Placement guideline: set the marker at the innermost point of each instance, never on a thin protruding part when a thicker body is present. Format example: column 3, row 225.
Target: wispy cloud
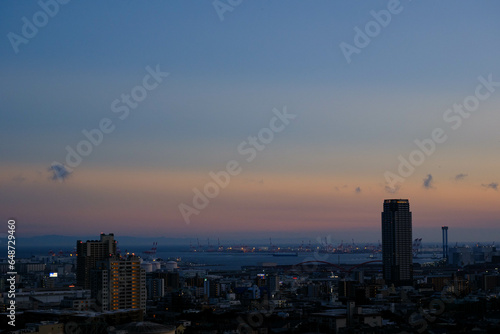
column 428, row 181
column 460, row 177
column 492, row 185
column 357, row 190
column 59, row 172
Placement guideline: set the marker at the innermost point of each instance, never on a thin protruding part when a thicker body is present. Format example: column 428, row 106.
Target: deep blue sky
column 225, row 78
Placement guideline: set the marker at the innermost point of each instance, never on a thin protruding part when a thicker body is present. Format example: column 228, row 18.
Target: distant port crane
column 152, row 251
column 417, row 245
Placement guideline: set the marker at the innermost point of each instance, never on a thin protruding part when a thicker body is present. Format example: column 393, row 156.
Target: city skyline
column 118, row 123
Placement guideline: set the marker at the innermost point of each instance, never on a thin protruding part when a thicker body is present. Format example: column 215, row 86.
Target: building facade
column 155, row 288
column 89, row 253
column 119, row 283
column 397, row 242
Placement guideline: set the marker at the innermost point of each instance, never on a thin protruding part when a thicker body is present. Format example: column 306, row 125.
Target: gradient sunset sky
column 323, row 174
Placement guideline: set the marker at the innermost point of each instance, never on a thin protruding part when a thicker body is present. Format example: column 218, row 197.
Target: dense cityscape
column 249, row 166
column 100, row 289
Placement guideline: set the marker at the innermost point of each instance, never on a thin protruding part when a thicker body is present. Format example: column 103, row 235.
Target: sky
column 242, row 118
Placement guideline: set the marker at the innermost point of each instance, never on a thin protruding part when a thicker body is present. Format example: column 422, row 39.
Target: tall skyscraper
column 397, row 242
column 445, row 242
column 89, row 253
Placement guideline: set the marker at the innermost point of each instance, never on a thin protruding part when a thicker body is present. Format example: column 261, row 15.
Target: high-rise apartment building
column 397, row 242
column 155, row 288
column 119, row 283
column 211, row 288
column 89, row 253
column 273, row 283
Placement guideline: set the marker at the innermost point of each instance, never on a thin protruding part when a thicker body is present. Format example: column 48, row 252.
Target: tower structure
column 397, row 242
column 89, row 253
column 445, row 242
